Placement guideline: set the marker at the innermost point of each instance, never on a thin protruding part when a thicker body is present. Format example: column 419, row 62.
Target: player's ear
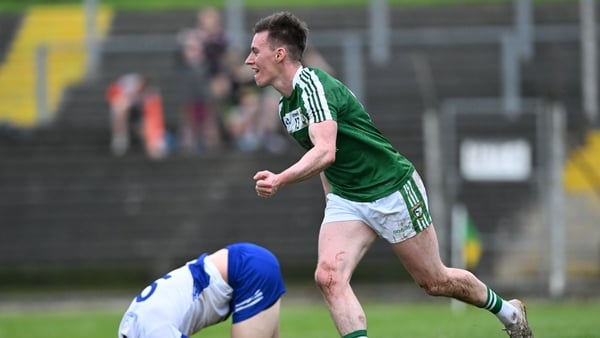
column 280, row 54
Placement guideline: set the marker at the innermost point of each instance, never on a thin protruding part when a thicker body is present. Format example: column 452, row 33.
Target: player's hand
column 267, row 183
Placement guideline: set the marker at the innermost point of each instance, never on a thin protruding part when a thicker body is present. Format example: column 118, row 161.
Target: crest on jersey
column 417, row 210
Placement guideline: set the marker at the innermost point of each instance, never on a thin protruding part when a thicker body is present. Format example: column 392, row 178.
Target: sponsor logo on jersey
column 295, row 121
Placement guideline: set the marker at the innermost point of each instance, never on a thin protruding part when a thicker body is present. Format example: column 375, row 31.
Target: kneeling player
column 242, row 280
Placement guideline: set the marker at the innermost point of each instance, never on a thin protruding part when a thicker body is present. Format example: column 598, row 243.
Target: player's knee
column 326, row 277
column 323, row 277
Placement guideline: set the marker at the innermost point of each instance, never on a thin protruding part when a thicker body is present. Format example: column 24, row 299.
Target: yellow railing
column 62, row 29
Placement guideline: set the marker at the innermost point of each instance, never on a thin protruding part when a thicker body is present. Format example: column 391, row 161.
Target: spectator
column 241, row 122
column 269, row 125
column 205, row 60
column 211, row 33
column 136, row 109
column 216, row 48
column 242, row 280
column 250, row 124
column 222, row 101
column 200, row 128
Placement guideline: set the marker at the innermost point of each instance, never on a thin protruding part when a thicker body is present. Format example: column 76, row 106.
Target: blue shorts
column 255, row 276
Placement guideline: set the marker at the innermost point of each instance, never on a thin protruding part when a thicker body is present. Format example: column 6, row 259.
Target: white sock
column 508, row 314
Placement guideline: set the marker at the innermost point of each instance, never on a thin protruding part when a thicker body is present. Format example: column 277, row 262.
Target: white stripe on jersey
column 313, row 97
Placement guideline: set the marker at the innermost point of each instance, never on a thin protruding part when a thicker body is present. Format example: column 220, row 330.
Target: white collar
column 297, row 76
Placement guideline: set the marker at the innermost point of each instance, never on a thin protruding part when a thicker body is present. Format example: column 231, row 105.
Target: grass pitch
column 435, row 319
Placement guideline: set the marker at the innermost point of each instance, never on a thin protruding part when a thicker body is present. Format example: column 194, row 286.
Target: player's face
column 262, row 60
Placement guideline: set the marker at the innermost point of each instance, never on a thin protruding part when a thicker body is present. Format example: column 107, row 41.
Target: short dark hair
column 285, row 29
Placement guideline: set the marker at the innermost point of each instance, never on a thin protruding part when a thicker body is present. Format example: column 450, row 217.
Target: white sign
column 495, row 160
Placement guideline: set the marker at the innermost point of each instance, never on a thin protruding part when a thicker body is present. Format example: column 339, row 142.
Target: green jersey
column 366, row 167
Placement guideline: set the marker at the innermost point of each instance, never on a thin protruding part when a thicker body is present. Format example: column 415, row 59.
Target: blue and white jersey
column 177, row 305
column 195, row 295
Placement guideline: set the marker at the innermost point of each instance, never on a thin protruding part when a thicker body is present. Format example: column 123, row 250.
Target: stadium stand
column 67, row 203
column 43, row 26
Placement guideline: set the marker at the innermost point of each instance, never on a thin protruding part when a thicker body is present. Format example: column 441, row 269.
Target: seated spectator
column 253, row 123
column 136, row 109
column 241, row 122
column 270, row 127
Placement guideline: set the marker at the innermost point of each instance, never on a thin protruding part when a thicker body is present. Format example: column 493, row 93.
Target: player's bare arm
column 323, row 136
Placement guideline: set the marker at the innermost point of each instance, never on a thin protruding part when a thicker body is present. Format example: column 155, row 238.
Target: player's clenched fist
column 266, row 183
